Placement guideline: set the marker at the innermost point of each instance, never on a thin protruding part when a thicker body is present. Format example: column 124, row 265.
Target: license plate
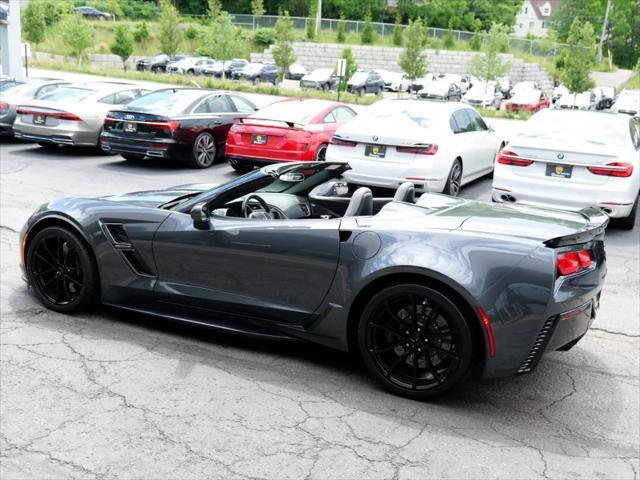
column 258, row 139
column 130, row 127
column 375, row 151
column 39, row 119
column 557, row 170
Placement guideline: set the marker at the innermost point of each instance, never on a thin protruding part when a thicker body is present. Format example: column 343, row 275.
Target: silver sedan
column 73, row 114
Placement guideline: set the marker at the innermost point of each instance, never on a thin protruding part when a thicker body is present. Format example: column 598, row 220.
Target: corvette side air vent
column 117, row 233
column 538, row 347
column 122, row 243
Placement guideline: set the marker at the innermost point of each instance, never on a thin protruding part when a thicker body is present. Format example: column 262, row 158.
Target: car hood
column 155, row 198
column 436, row 88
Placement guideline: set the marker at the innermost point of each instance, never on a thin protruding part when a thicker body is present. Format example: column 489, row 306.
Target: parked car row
column 438, row 146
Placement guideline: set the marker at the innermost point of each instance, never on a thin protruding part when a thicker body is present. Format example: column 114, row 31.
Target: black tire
column 203, row 151
column 132, row 157
column 454, row 179
column 379, row 92
column 628, row 222
column 241, row 168
column 191, row 71
column 325, row 87
column 415, row 341
column 321, row 153
column 61, row 269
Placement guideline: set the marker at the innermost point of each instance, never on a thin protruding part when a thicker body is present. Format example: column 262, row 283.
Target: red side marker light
column 487, row 327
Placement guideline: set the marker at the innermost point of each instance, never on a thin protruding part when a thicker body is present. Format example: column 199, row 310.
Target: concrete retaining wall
column 325, row 55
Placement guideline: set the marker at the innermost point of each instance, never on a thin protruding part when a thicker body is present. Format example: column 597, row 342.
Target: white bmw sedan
column 573, row 159
column 438, row 146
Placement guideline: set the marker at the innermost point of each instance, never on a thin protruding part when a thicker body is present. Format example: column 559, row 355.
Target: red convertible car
column 528, row 100
column 289, row 130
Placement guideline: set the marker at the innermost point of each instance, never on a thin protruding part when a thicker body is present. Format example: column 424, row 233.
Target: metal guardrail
column 538, row 47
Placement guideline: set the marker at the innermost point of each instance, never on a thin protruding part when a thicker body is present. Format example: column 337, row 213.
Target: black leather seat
column 405, row 193
column 361, row 203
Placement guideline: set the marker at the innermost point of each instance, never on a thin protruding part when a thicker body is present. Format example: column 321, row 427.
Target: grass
column 633, row 82
column 212, row 83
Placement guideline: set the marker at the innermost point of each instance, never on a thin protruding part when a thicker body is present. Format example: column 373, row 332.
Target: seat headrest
column 361, row 203
column 405, row 193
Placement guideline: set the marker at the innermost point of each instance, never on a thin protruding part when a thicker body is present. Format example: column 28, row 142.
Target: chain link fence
column 540, row 47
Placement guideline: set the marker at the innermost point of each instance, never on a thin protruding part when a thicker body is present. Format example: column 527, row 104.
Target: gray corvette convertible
column 427, row 291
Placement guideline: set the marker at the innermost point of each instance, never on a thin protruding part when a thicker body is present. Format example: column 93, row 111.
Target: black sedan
column 93, row 13
column 189, row 124
column 257, row 72
column 426, row 291
column 155, row 63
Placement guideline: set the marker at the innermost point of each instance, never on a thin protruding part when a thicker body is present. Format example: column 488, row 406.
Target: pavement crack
column 613, row 332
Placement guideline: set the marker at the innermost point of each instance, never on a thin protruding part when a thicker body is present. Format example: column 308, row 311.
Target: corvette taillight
column 343, row 143
column 431, row 149
column 4, row 106
column 506, row 157
column 573, row 262
column 614, row 169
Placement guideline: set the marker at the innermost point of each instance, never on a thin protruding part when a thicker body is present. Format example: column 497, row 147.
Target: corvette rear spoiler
column 597, row 221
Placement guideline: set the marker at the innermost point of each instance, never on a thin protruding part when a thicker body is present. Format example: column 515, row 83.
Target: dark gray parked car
column 426, row 291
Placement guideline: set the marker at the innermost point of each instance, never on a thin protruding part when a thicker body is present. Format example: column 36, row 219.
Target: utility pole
column 604, row 30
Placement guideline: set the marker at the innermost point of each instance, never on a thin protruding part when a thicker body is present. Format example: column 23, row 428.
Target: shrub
column 78, row 35
column 340, row 35
column 141, row 33
column 122, row 44
column 139, row 10
column 368, row 34
column 449, row 39
column 265, row 36
column 398, row 32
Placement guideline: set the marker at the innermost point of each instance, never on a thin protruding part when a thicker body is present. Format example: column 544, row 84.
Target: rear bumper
column 129, row 146
column 241, row 161
column 79, row 135
column 616, row 196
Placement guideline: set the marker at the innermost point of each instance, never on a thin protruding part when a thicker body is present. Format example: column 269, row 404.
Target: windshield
column 320, row 74
column 253, row 68
column 407, row 114
column 295, row 111
column 580, row 127
column 67, row 94
column 168, row 102
column 359, row 77
column 7, row 84
column 481, row 90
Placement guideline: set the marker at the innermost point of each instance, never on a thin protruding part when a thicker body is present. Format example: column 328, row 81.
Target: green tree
column 368, row 35
column 34, row 23
column 222, row 40
column 398, row 32
column 576, row 68
column 424, row 39
column 350, row 68
column 141, row 34
column 257, row 8
column 311, row 20
column 169, row 28
column 122, row 44
column 412, row 59
column 191, row 34
column 450, row 39
column 488, row 65
column 476, row 41
column 340, row 34
column 214, row 9
column 78, row 35
column 283, row 54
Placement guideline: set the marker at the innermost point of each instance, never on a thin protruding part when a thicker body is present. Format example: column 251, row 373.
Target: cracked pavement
column 117, row 395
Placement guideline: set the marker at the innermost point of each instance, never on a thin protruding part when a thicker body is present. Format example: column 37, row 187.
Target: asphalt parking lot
column 115, row 395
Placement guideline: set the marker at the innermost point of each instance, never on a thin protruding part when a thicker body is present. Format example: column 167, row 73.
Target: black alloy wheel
column 415, row 341
column 454, row 180
column 204, row 151
column 61, row 270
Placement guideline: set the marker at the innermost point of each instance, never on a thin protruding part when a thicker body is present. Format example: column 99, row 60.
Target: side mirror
column 200, row 216
column 492, row 128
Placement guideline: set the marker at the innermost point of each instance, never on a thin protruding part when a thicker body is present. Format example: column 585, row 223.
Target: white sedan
column 570, row 160
column 438, row 146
